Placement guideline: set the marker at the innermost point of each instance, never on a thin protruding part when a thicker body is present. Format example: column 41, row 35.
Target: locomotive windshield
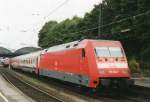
column 109, row 52
column 102, row 52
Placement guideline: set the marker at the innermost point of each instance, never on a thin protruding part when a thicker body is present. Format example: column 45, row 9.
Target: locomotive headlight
column 125, row 71
column 113, row 71
column 102, row 71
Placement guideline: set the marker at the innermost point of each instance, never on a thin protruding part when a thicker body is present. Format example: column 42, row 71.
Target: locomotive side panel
column 65, row 65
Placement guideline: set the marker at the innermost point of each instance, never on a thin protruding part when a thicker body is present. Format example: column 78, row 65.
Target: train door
column 83, row 62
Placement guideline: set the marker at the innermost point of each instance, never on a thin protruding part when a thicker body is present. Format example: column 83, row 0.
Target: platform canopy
column 4, row 52
column 26, row 50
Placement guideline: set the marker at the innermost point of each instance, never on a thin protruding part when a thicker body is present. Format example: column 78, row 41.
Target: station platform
column 9, row 93
column 2, row 98
column 142, row 81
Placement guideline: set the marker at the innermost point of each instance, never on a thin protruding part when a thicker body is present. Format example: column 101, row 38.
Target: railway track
column 134, row 95
column 36, row 94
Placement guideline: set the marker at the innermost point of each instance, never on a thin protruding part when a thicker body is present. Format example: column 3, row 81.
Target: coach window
column 33, row 60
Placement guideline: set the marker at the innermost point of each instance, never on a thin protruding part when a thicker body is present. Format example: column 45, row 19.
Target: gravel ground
column 74, row 95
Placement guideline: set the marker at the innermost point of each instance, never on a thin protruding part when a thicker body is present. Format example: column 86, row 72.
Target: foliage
column 134, row 65
column 146, row 73
column 133, row 31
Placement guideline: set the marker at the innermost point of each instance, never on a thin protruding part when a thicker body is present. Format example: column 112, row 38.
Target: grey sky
column 20, row 20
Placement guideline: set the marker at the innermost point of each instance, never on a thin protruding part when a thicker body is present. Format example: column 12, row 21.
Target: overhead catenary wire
column 115, row 22
column 55, row 9
column 50, row 13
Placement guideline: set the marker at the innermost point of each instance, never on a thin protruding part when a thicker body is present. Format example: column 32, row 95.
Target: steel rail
column 51, row 96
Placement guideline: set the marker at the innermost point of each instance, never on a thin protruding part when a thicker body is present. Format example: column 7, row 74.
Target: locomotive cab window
column 116, row 52
column 102, row 52
column 109, row 52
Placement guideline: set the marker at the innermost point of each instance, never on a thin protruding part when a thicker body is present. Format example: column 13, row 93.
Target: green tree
column 118, row 23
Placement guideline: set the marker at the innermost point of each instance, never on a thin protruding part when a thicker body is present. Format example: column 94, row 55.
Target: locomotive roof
column 69, row 45
column 61, row 47
column 30, row 54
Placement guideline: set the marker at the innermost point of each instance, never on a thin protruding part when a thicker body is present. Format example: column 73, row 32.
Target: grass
column 146, row 73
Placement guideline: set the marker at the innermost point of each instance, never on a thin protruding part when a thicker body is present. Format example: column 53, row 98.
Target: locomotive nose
column 113, row 67
column 111, row 62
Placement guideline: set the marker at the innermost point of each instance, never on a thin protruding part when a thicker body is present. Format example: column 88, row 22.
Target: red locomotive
column 89, row 63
